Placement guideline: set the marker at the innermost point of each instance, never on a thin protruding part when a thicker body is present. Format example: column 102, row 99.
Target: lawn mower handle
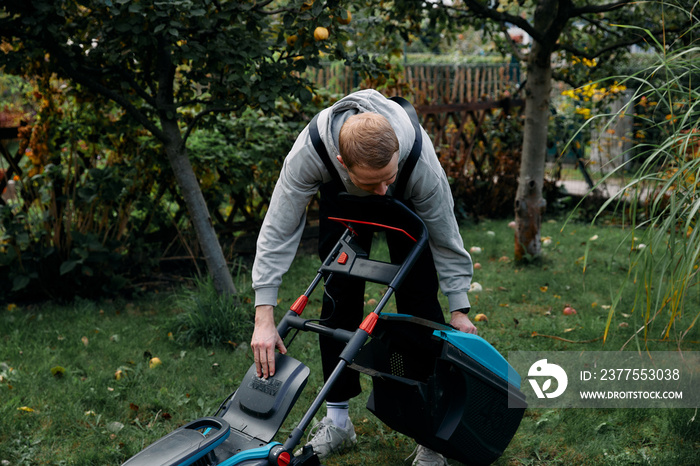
column 347, row 258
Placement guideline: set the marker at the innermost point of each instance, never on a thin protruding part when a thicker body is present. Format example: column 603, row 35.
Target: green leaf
column 67, row 266
column 20, row 282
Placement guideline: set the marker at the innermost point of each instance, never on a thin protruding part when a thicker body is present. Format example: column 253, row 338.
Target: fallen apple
column 154, row 362
column 569, row 311
column 481, row 318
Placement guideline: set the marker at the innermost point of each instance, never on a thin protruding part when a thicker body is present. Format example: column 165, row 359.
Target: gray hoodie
column 303, row 172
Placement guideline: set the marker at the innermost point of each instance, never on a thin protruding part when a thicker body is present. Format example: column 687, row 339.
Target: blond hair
column 367, row 140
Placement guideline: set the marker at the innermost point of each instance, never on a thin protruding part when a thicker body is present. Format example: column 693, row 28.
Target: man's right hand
column 265, row 340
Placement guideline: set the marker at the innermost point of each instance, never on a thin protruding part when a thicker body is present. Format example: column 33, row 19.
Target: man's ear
column 340, row 159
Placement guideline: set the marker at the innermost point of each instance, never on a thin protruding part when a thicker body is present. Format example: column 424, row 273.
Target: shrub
column 72, row 229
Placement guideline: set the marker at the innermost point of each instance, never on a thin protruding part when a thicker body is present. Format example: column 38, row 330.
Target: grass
column 60, row 403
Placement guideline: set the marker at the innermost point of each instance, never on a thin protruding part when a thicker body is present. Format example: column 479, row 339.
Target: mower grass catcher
column 446, row 389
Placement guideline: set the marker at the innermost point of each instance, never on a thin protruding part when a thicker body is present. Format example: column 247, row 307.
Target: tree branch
column 139, row 90
column 511, row 43
column 85, row 79
column 586, row 9
column 476, row 8
column 631, row 40
column 207, row 111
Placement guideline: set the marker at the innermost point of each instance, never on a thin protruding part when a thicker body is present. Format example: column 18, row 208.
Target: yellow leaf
column 26, row 409
column 543, row 289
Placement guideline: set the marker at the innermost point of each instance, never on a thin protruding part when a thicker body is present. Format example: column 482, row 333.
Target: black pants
column 344, row 308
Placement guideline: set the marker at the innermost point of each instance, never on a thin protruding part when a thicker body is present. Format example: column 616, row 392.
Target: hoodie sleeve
column 429, row 191
column 301, row 175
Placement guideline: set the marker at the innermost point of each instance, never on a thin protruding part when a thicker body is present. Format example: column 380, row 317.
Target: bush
column 73, row 228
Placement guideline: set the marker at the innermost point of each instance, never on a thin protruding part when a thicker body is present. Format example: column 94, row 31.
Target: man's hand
column 265, row 340
column 461, row 322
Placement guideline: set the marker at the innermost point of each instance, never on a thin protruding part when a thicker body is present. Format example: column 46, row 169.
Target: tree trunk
column 197, row 209
column 529, row 203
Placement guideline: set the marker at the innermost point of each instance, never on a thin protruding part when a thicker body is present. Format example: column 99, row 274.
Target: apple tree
column 173, row 65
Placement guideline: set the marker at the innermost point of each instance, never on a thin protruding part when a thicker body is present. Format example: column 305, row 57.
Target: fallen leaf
column 85, row 341
column 544, row 289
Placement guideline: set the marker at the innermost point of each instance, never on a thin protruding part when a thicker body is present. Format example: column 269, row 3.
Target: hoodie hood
column 332, row 119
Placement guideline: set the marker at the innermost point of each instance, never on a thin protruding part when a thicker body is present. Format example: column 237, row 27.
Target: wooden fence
column 454, row 103
column 434, row 84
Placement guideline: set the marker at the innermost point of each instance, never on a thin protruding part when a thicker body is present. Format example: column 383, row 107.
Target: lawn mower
column 450, row 391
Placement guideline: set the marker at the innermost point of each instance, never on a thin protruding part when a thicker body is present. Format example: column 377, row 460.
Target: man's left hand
column 461, row 322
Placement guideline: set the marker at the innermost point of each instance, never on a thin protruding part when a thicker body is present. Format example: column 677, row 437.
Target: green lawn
column 62, row 404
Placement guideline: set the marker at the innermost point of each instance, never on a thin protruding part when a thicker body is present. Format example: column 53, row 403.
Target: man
column 366, row 141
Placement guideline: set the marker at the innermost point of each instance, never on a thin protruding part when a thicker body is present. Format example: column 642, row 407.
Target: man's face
column 374, row 180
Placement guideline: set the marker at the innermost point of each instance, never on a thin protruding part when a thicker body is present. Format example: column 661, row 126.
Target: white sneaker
column 427, row 457
column 329, row 438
